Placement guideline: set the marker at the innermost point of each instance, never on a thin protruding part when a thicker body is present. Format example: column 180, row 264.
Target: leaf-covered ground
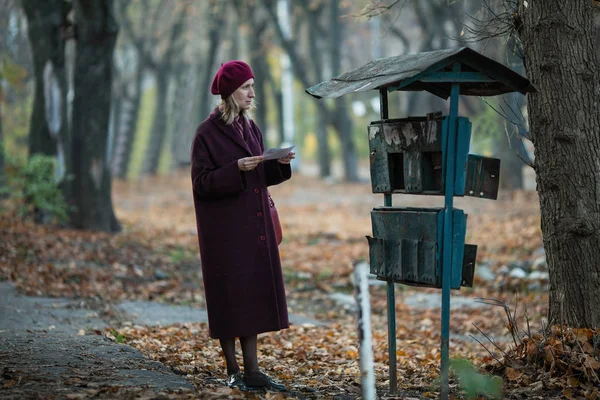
column 156, row 258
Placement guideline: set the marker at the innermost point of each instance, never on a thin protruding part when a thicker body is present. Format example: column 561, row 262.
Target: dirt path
column 50, row 349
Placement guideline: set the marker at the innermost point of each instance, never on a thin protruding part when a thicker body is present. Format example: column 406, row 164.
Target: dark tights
column 249, row 351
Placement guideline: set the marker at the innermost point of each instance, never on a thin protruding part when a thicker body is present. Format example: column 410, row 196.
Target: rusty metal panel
column 413, row 172
column 410, row 260
column 406, row 246
column 482, row 177
column 468, row 265
column 429, row 271
column 405, row 156
column 376, row 256
column 378, row 157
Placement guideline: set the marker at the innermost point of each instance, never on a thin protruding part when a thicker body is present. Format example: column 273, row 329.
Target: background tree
column 96, row 37
column 3, row 181
column 127, row 98
column 216, row 18
column 556, row 41
column 48, row 28
column 159, row 50
column 299, row 63
column 560, row 59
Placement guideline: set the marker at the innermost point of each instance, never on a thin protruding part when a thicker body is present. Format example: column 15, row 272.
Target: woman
column 241, row 269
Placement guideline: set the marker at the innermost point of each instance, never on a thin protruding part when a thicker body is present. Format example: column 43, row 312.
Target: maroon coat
column 240, row 258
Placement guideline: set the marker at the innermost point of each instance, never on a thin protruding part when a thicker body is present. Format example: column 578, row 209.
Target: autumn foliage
column 324, row 225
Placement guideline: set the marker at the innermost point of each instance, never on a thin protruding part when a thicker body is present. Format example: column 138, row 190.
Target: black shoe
column 261, row 380
column 236, row 380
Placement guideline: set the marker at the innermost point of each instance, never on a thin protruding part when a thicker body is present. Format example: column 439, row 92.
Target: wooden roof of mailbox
column 430, row 71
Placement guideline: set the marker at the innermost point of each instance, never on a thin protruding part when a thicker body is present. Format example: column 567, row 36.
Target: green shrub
column 33, row 185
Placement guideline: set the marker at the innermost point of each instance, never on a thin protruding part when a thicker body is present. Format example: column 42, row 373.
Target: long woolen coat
column 241, row 268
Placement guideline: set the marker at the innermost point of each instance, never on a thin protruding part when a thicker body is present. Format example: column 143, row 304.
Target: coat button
column 263, row 237
column 259, row 214
column 256, row 190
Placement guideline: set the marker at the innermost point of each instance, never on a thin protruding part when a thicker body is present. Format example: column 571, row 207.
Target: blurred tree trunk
column 564, row 120
column 323, row 151
column 127, row 128
column 260, row 69
column 96, row 37
column 301, row 73
column 278, row 100
column 216, row 20
column 116, row 111
column 248, row 11
column 159, row 124
column 183, row 121
column 343, row 121
column 163, row 70
column 46, row 23
column 3, row 181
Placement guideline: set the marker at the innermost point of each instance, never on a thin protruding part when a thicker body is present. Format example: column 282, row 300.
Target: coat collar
column 229, row 130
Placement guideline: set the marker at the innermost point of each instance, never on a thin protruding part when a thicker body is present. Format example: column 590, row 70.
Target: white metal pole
column 367, row 375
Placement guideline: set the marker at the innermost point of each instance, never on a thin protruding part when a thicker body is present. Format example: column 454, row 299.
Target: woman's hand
column 249, row 163
column 287, row 159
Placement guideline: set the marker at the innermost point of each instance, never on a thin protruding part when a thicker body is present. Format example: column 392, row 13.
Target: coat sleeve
column 275, row 172
column 209, row 180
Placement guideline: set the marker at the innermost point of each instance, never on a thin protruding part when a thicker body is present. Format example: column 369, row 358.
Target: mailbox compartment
column 409, row 156
column 406, row 247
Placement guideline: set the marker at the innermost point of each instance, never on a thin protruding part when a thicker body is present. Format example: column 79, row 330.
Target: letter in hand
column 287, row 159
column 249, row 163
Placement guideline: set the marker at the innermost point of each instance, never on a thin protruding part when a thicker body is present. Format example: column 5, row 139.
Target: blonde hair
column 230, row 109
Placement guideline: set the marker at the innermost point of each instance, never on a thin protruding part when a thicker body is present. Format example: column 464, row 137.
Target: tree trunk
column 344, row 124
column 45, row 20
column 207, row 70
column 128, row 128
column 97, row 35
column 159, row 125
column 3, row 181
column 260, row 69
column 116, row 111
column 132, row 117
column 278, row 100
column 323, row 143
column 324, row 154
column 559, row 50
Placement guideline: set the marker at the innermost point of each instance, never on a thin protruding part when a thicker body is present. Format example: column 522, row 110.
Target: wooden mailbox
column 406, row 245
column 407, row 156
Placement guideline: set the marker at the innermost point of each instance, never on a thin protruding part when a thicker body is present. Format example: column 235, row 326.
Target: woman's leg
column 249, row 351
column 228, row 346
column 252, row 376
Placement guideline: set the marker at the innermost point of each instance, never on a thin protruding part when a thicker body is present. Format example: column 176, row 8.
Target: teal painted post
column 391, row 295
column 391, row 314
column 448, row 228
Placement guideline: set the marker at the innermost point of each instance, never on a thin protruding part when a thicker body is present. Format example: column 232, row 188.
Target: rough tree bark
column 558, row 41
column 97, row 35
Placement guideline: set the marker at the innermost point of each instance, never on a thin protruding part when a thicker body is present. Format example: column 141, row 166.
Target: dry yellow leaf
column 513, row 374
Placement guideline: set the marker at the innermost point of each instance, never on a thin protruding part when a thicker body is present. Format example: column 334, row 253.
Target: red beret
column 230, row 76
